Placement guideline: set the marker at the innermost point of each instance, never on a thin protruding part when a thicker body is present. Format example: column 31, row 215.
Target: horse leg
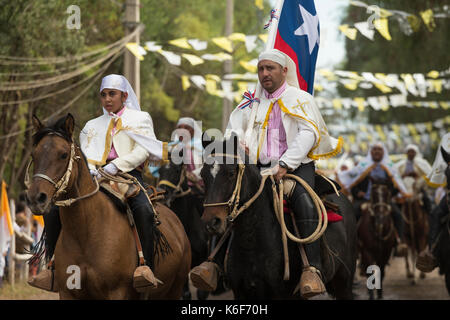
column 409, row 275
column 186, row 292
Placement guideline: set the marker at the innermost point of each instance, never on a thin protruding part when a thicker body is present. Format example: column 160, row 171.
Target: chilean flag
column 297, row 35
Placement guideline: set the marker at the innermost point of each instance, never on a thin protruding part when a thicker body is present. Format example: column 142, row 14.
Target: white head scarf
column 119, row 82
column 415, row 148
column 277, row 56
column 193, row 124
column 437, row 176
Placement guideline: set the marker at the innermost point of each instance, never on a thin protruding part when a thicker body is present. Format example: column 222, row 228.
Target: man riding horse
column 122, row 139
column 376, row 168
column 438, row 177
column 289, row 132
column 416, row 167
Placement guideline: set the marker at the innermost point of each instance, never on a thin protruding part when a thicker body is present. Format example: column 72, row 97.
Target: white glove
column 93, row 172
column 111, row 169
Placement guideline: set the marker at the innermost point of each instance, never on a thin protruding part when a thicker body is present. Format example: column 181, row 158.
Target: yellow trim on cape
column 432, row 184
column 262, row 135
column 165, row 153
column 330, row 154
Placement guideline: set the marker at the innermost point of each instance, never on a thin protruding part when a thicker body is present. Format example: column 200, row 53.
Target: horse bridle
column 177, row 189
column 61, row 185
column 233, row 203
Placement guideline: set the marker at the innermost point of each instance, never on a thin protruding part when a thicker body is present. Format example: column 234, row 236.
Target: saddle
column 119, row 192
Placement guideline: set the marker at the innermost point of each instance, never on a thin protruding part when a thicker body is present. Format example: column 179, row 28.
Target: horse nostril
column 41, row 198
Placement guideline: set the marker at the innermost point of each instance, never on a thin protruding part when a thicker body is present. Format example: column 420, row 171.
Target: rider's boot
column 143, row 277
column 311, row 283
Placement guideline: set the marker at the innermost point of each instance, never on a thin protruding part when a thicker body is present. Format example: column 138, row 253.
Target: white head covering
column 415, row 148
column 119, row 82
column 193, row 124
column 277, row 56
column 274, row 55
column 437, row 176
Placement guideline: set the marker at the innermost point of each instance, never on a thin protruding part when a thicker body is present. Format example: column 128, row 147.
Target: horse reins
column 178, row 189
column 63, row 182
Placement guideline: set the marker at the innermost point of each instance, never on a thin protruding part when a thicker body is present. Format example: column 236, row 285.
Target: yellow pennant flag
column 383, row 88
column 247, row 66
column 134, row 49
column 185, row 83
column 193, row 59
column 383, row 27
column 181, row 43
column 380, row 132
column 348, row 31
column 337, row 104
column 444, row 105
column 433, row 74
column 5, row 213
column 428, row 18
column 224, row 43
column 259, row 4
column 360, row 103
column 237, row 36
column 264, row 37
column 437, row 85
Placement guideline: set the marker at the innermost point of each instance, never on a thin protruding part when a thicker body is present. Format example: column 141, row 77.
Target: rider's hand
column 111, row 169
column 280, row 173
column 93, row 172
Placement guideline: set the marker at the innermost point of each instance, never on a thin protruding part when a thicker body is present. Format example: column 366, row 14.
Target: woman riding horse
column 122, row 139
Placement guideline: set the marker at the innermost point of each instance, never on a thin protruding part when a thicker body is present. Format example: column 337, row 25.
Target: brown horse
column 96, row 239
column 416, row 227
column 376, row 233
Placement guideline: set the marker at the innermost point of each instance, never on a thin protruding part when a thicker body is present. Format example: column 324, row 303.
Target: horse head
column 225, row 159
column 380, row 199
column 53, row 156
column 171, row 178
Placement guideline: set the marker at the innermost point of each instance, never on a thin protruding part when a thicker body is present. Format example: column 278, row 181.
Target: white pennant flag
column 250, row 43
column 198, row 44
column 365, row 30
column 171, row 57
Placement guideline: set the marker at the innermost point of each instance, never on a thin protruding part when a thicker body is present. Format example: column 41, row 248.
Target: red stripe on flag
column 281, row 45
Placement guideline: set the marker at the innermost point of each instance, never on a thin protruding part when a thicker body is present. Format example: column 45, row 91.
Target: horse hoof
column 409, row 275
column 422, row 275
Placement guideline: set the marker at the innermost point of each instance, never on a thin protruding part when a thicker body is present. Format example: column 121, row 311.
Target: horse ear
column 36, row 123
column 69, row 124
column 445, row 155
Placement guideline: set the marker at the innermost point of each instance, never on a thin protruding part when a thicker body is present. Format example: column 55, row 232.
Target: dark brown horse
column 96, row 238
column 376, row 233
column 416, row 227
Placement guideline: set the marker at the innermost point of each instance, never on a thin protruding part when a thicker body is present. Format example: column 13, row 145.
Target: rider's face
column 271, row 75
column 112, row 100
column 377, row 153
column 410, row 154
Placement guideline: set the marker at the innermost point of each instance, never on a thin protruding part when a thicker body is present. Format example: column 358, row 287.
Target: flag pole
column 258, row 91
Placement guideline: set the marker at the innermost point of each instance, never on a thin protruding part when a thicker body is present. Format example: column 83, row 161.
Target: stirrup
column 45, row 280
column 426, row 262
column 310, row 283
column 204, row 276
column 144, row 279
